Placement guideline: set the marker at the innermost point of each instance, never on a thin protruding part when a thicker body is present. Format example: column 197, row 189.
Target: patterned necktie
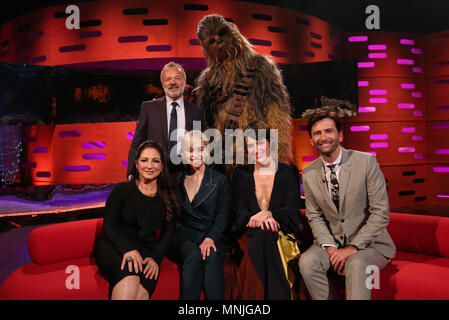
column 173, row 125
column 334, row 185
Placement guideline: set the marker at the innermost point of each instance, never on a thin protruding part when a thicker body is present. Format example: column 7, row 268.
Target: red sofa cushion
column 420, row 234
column 63, row 241
column 48, row 282
column 413, row 276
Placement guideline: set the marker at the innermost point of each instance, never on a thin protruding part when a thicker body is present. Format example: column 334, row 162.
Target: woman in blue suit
column 205, row 199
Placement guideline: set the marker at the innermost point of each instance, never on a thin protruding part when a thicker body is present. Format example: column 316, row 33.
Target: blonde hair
column 192, row 136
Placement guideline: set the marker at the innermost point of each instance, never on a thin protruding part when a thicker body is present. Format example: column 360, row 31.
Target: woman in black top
column 204, row 197
column 266, row 200
column 129, row 252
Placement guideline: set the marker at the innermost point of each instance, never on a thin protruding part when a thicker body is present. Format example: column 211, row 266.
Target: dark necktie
column 334, row 184
column 173, row 125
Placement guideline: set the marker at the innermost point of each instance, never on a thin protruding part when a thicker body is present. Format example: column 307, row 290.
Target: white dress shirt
column 181, row 124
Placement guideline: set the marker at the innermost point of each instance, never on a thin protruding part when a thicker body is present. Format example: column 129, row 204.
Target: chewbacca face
column 220, row 40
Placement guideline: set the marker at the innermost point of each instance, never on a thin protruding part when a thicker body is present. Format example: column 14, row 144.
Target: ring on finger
column 129, row 259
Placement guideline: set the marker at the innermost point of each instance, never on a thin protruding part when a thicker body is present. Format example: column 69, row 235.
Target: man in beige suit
column 348, row 212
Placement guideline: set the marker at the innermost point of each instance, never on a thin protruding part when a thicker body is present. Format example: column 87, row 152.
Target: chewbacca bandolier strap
column 234, row 106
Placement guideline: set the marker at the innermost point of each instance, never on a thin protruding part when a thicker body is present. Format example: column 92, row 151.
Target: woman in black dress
column 129, row 252
column 204, row 197
column 266, row 200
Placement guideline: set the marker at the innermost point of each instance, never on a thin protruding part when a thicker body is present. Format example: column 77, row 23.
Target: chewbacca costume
column 240, row 86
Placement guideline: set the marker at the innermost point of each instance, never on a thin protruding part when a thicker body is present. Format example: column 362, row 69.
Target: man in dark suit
column 165, row 119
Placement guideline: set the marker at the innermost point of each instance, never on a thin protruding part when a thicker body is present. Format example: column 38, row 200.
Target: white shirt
column 327, row 174
column 181, row 124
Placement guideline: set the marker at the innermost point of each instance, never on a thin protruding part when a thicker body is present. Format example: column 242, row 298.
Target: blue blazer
column 207, row 214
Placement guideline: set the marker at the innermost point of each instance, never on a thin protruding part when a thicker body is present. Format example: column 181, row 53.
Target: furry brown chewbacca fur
column 233, row 70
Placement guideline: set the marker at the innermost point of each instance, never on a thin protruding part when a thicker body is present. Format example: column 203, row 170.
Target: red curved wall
column 169, row 31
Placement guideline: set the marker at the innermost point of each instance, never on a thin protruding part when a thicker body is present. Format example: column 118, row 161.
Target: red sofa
column 420, row 269
column 56, row 247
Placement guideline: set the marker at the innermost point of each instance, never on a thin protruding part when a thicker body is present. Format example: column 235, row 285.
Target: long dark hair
column 164, row 181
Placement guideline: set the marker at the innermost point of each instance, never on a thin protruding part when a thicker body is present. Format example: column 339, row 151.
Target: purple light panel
column 127, row 39
column 94, row 156
column 363, row 83
column 378, row 92
column 358, row 39
column 366, row 65
column 43, row 174
column 76, row 168
column 76, row 47
column 416, row 51
column 441, row 169
column 406, row 149
column 406, row 106
column 442, row 151
column 374, row 153
column 89, row 34
column 283, row 54
column 418, row 138
column 194, row 42
column 367, row 109
column 260, row 42
column 359, row 128
column 377, row 55
column 125, row 163
column 40, row 150
column 70, row 134
column 418, row 113
column 405, row 61
column 377, row 47
column 376, row 145
column 309, row 158
column 378, row 136
column 303, row 52
column 407, row 42
column 443, row 195
column 441, row 126
column 378, row 100
column 417, row 94
column 130, row 135
column 159, row 48
column 408, row 129
column 94, row 145
column 419, row 156
column 38, row 59
column 417, row 70
column 407, row 85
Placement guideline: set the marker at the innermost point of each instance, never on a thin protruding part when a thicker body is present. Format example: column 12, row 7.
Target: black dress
column 131, row 222
column 260, row 274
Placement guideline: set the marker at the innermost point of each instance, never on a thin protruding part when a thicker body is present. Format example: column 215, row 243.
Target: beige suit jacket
column 364, row 210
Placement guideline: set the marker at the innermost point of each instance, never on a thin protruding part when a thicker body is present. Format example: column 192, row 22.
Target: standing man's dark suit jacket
column 152, row 125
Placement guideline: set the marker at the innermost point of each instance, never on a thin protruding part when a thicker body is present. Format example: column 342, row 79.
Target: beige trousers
column 314, row 265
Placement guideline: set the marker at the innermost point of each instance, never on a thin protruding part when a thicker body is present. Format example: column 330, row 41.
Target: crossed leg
column 129, row 288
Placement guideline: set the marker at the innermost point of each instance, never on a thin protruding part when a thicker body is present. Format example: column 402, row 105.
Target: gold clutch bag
column 288, row 250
